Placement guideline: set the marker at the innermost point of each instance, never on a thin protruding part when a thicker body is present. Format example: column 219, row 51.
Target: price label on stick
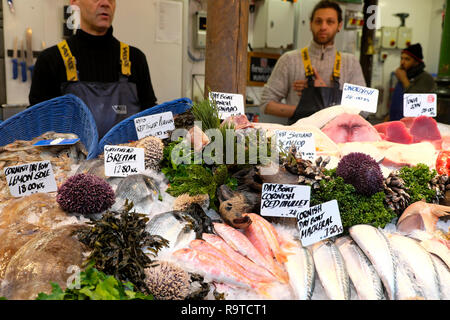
column 419, row 104
column 156, row 125
column 26, row 179
column 229, row 104
column 319, row 223
column 361, row 98
column 303, row 142
column 123, row 161
column 283, row 200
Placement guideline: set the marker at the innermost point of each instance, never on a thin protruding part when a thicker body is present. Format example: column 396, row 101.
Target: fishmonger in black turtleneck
column 97, row 60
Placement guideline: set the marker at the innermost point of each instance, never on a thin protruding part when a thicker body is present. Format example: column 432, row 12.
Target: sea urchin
column 85, row 194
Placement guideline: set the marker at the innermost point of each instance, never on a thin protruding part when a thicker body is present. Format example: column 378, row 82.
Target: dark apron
column 396, row 108
column 109, row 102
column 313, row 98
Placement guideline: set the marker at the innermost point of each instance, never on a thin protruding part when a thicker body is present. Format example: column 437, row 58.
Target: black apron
column 109, row 102
column 313, row 98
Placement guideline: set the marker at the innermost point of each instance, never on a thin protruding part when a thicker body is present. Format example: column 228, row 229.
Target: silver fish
column 407, row 287
column 444, row 276
column 139, row 189
column 174, row 226
column 418, row 260
column 330, row 267
column 95, row 167
column 377, row 248
column 361, row 271
column 300, row 267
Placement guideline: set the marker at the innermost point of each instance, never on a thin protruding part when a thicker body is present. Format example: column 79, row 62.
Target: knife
column 22, row 63
column 15, row 61
column 30, row 61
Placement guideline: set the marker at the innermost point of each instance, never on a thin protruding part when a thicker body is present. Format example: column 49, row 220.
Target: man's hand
column 402, row 77
column 300, row 85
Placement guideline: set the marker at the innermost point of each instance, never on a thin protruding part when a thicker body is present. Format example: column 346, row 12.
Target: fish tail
column 263, row 289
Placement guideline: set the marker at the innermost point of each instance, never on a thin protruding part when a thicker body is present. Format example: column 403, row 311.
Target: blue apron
column 396, row 109
column 109, row 102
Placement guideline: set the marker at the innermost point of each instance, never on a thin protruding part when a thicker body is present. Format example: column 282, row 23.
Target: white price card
column 26, row 179
column 303, row 142
column 229, row 104
column 156, row 125
column 319, row 223
column 361, row 98
column 282, row 200
column 420, row 104
column 123, row 161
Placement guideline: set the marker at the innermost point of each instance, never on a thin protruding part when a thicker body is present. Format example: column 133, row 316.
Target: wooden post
column 367, row 42
column 226, row 46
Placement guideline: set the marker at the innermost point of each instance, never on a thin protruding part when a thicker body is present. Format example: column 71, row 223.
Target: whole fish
column 444, row 276
column 407, row 287
column 361, row 271
column 242, row 244
column 377, row 248
column 330, row 267
column 414, row 257
column 246, row 263
column 203, row 246
column 172, row 226
column 216, row 269
column 300, row 267
column 433, row 244
column 271, row 236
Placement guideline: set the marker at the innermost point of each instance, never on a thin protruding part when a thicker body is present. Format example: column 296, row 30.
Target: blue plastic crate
column 125, row 131
column 65, row 114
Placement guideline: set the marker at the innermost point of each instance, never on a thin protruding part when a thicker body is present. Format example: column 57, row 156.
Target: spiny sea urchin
column 85, row 194
column 166, row 281
column 361, row 171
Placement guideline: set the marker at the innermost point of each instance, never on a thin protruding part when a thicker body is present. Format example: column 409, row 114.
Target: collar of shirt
column 318, row 50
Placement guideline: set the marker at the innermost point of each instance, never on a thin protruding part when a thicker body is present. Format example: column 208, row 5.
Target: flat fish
column 301, row 270
column 361, row 271
column 377, row 248
column 330, row 267
column 44, row 259
column 139, row 189
column 414, row 257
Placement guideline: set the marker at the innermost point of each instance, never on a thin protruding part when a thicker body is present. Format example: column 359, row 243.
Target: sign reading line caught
column 361, row 98
column 157, row 125
column 229, row 104
column 282, row 200
column 123, row 161
column 26, row 179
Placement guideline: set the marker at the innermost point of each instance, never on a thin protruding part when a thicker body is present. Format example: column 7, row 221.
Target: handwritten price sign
column 415, row 105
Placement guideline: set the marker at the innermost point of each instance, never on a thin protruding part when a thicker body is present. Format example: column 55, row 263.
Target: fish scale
column 361, row 271
column 330, row 267
column 377, row 248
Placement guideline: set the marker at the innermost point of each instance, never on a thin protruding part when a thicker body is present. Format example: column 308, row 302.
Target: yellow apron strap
column 69, row 61
column 337, row 66
column 309, row 72
column 125, row 59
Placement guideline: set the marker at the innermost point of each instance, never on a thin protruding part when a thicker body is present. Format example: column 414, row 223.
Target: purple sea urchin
column 361, row 171
column 85, row 194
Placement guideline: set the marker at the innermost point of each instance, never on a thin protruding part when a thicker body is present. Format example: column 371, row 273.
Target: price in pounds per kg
column 124, row 169
column 31, row 187
column 330, row 231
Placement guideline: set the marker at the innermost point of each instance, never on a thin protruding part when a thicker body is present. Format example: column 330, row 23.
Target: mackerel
column 330, row 267
column 444, row 276
column 377, row 248
column 413, row 256
column 361, row 271
column 300, row 267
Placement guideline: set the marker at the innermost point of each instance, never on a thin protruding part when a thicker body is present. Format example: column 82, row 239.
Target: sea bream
column 361, row 271
column 300, row 267
column 377, row 248
column 418, row 260
column 330, row 267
